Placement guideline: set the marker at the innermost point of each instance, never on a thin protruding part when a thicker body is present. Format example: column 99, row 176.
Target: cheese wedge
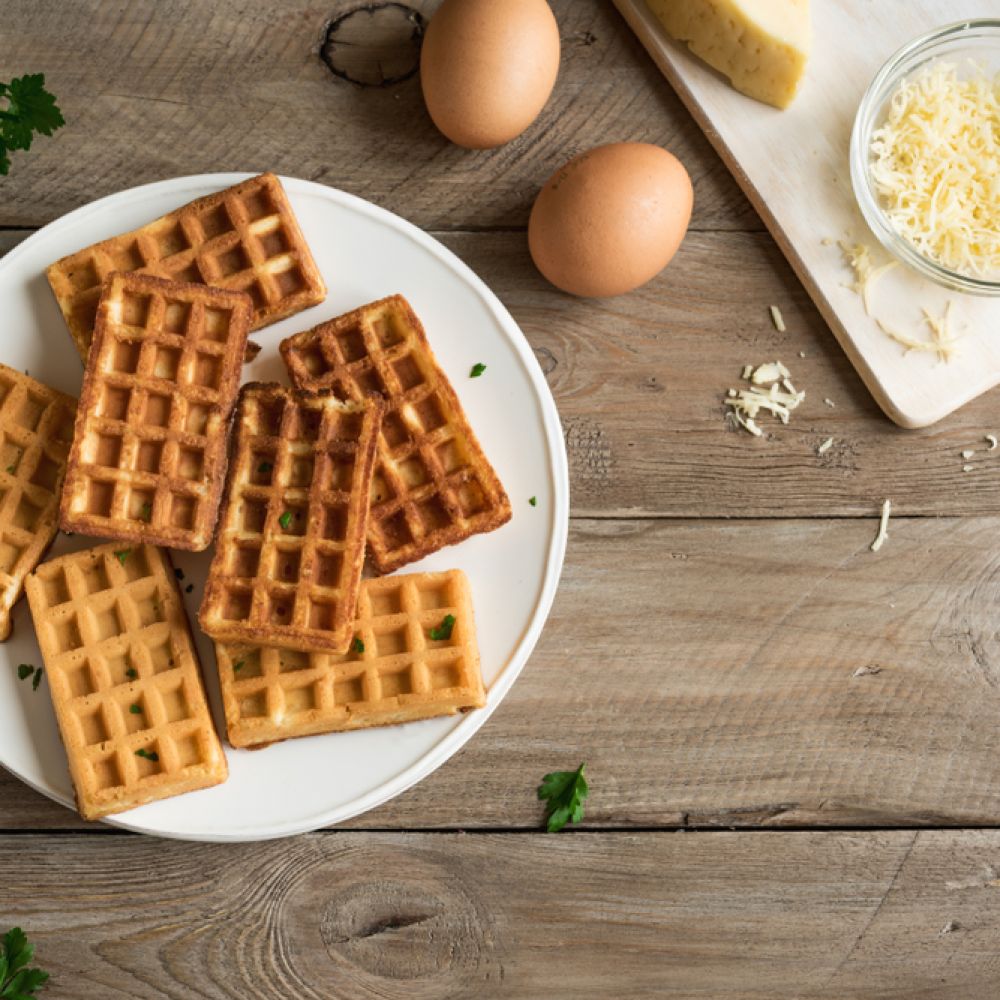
column 761, row 45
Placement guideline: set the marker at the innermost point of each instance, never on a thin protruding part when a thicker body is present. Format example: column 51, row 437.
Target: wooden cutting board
column 794, row 167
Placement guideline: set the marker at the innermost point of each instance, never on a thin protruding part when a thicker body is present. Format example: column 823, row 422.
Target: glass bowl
column 977, row 40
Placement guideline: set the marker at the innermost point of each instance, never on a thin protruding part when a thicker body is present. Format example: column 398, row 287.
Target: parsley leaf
column 122, row 554
column 135, row 709
column 24, row 671
column 148, row 754
column 533, row 501
column 146, row 511
column 131, row 673
column 443, row 631
column 565, row 792
column 477, row 370
column 37, row 680
column 285, row 520
column 30, row 108
column 358, row 646
column 16, row 980
column 238, row 666
column 11, row 468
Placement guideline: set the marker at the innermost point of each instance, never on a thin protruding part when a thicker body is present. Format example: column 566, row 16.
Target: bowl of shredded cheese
column 925, row 156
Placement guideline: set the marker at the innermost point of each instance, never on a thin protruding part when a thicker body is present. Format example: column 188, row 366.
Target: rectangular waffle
column 36, row 427
column 395, row 672
column 124, row 678
column 245, row 238
column 149, row 450
column 433, row 486
column 292, row 533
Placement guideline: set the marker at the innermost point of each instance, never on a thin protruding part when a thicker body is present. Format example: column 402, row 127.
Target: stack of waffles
column 368, row 453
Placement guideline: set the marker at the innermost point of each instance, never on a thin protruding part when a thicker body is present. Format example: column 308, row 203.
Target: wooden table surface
column 767, row 819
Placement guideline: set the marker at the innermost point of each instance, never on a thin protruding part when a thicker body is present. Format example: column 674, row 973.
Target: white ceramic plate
column 364, row 253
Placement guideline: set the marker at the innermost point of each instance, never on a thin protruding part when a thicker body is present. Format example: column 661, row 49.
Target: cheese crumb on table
column 825, row 447
column 866, row 274
column 968, row 453
column 771, row 391
column 829, row 402
column 777, row 319
column 991, row 440
column 967, row 468
column 883, row 527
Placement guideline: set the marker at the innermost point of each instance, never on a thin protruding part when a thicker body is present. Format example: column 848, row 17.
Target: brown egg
column 610, row 219
column 487, row 68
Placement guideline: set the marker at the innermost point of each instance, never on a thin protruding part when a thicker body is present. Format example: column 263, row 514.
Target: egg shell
column 610, row 219
column 487, row 67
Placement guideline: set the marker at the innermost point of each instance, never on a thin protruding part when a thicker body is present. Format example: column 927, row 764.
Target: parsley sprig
column 443, row 631
column 564, row 791
column 29, row 108
column 17, row 981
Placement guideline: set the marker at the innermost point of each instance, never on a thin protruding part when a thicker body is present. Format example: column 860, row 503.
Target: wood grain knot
column 374, row 44
column 410, row 936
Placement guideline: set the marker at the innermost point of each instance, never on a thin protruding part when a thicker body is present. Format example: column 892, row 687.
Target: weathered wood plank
column 761, row 916
column 640, row 380
column 153, row 90
column 707, row 674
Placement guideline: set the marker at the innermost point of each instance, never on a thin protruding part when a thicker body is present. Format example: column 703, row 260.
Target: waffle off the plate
column 36, row 427
column 291, row 539
column 149, row 449
column 124, row 678
column 432, row 486
column 245, row 238
column 396, row 670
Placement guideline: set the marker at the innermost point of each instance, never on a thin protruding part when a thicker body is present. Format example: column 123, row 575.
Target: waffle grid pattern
column 292, row 537
column 245, row 238
column 124, row 678
column 149, row 451
column 432, row 486
column 36, row 427
column 402, row 674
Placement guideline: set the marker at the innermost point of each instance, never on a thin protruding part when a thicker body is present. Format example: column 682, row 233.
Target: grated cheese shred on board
column 770, row 390
column 942, row 340
column 936, row 167
column 865, row 272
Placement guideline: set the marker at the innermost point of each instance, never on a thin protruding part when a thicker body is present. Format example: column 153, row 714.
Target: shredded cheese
column 825, row 447
column 777, row 319
column 968, row 453
column 883, row 527
column 967, row 468
column 991, row 440
column 942, row 340
column 866, row 274
column 936, row 167
column 771, row 391
column 829, row 402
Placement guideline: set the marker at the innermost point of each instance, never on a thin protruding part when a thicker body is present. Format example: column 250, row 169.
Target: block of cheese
column 761, row 45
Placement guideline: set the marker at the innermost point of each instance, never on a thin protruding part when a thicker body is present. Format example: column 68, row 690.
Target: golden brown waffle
column 245, row 238
column 395, row 671
column 292, row 534
column 36, row 426
column 124, row 678
column 149, row 450
column 433, row 486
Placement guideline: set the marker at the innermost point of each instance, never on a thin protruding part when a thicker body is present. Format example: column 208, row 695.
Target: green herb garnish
column 477, row 370
column 264, row 468
column 358, row 646
column 285, row 520
column 30, row 108
column 11, row 468
column 131, row 673
column 146, row 511
column 17, row 981
column 533, row 501
column 135, row 709
column 564, row 791
column 34, row 684
column 443, row 631
column 122, row 554
column 238, row 665
column 24, row 671
column 148, row 754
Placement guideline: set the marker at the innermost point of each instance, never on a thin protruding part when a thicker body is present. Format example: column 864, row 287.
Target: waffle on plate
column 124, row 678
column 149, row 449
column 407, row 661
column 245, row 238
column 291, row 538
column 433, row 486
column 36, row 426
